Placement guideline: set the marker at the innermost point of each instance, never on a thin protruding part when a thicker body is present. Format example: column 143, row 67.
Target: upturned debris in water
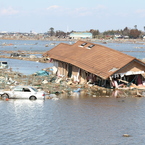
column 126, row 135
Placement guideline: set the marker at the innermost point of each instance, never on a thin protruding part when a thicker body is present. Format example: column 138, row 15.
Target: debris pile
column 52, row 84
column 23, row 55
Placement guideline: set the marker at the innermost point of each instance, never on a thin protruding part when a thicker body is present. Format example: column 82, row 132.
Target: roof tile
column 98, row 60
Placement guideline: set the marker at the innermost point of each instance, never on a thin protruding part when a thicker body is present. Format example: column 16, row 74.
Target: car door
column 26, row 93
column 17, row 92
column 21, row 93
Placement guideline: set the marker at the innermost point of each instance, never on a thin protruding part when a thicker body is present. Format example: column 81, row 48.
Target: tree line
column 131, row 33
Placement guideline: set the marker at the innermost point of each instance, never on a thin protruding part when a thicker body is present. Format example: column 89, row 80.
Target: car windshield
column 34, row 89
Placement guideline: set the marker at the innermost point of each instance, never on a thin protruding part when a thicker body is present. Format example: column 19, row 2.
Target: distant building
column 118, row 36
column 126, row 37
column 80, row 35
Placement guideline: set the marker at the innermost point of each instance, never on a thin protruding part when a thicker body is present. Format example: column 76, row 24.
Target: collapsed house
column 86, row 62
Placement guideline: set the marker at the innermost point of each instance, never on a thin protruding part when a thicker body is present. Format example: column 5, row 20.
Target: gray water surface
column 26, row 67
column 73, row 121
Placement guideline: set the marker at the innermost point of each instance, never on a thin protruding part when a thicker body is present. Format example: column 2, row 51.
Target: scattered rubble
column 23, row 55
column 17, row 54
column 59, row 86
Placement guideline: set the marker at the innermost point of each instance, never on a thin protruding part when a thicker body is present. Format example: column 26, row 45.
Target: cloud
column 8, row 11
column 87, row 11
column 122, row 14
column 100, row 7
column 141, row 12
column 79, row 12
column 53, row 7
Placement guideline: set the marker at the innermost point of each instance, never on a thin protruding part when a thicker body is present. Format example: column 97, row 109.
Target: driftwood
column 124, row 81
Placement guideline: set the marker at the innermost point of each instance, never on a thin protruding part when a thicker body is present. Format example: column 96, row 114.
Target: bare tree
column 134, row 33
column 51, row 31
column 135, row 26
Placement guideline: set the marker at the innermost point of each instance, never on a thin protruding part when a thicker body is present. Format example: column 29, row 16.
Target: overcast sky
column 65, row 15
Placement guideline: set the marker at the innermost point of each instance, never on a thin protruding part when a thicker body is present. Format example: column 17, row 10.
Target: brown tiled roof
column 99, row 60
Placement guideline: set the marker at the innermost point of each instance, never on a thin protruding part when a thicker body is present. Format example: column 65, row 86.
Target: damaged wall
column 133, row 67
column 76, row 74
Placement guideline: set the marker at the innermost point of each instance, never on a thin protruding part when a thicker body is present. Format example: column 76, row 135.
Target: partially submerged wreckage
column 86, row 62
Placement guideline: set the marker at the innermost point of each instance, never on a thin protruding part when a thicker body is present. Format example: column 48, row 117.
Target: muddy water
column 73, row 121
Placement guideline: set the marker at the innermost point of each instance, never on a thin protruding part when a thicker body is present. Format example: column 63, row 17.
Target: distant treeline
column 131, row 33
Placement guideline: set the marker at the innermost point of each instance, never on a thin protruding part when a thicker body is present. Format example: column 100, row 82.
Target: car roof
column 23, row 86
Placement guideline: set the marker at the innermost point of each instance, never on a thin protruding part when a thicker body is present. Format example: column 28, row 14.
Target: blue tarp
column 77, row 90
column 42, row 73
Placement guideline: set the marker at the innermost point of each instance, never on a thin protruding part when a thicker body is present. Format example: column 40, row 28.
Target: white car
column 23, row 92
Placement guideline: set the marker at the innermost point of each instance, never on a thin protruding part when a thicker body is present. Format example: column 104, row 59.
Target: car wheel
column 5, row 95
column 32, row 98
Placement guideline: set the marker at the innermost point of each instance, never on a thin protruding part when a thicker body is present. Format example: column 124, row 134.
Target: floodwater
column 26, row 67
column 71, row 120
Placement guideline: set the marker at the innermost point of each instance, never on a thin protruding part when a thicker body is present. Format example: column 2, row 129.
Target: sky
column 77, row 15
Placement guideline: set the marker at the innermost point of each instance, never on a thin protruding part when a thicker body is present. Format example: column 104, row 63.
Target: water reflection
column 75, row 95
column 27, row 103
column 19, row 106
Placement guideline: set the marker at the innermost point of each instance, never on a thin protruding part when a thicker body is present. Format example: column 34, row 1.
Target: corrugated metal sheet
column 99, row 60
